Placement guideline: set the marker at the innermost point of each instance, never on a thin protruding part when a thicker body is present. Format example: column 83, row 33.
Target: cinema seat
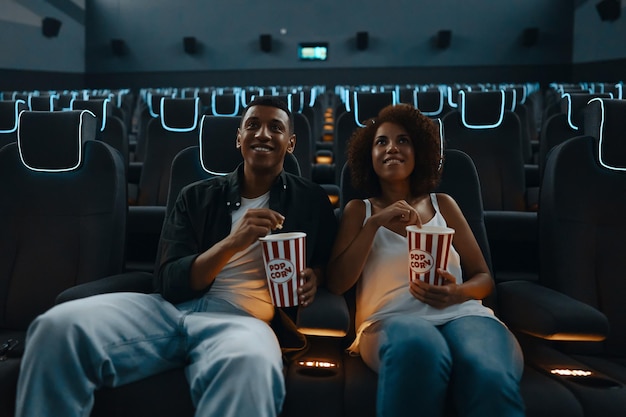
column 543, row 396
column 581, row 224
column 57, row 232
column 9, row 116
column 167, row 394
column 110, row 129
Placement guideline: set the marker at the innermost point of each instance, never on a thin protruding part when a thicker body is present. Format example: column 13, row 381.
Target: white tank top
column 383, row 289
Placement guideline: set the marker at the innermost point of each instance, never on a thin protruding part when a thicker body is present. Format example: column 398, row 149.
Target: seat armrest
column 327, row 315
column 125, row 282
column 134, row 172
column 533, row 309
column 531, row 172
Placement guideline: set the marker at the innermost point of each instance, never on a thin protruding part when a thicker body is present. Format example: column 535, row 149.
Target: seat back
column 581, row 217
column 366, row 105
column 9, row 116
column 110, row 128
column 491, row 136
column 62, row 212
column 566, row 124
column 431, row 103
column 215, row 154
column 43, row 103
column 226, row 104
column 149, row 109
column 176, row 128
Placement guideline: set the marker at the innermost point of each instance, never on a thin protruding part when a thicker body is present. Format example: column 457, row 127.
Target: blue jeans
column 473, row 361
column 232, row 361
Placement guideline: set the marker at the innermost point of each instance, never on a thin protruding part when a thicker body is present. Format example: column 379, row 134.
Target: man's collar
column 235, row 179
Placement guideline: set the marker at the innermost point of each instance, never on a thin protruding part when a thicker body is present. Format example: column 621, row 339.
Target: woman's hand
column 438, row 296
column 308, row 287
column 397, row 216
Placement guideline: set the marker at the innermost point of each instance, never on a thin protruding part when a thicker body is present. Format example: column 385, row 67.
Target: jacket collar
column 234, row 180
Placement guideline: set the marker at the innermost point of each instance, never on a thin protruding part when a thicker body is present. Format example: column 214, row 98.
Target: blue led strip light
column 80, row 148
column 14, row 128
column 181, row 129
column 601, row 138
column 469, row 126
column 202, row 123
column 234, row 113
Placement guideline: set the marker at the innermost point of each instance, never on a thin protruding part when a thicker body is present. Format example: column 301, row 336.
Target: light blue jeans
column 232, row 361
column 473, row 361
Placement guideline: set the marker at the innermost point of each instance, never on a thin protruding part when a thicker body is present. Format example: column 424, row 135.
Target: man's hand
column 254, row 224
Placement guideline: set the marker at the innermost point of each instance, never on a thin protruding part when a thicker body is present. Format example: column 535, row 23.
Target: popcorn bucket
column 284, row 255
column 429, row 247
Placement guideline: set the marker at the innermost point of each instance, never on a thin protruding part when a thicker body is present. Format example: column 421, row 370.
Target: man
column 212, row 309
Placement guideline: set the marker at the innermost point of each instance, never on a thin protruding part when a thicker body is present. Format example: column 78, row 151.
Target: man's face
column 264, row 137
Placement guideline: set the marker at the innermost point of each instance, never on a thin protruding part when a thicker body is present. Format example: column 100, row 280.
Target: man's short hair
column 271, row 101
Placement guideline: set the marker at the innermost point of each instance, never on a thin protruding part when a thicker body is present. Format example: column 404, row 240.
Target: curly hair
column 426, row 143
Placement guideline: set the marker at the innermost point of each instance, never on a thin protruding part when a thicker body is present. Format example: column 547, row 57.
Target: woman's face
column 393, row 155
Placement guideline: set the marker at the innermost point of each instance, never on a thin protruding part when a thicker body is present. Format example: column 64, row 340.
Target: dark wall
column 420, row 75
column 486, row 43
column 401, row 33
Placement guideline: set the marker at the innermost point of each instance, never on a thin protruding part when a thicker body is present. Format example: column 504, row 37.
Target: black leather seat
column 43, row 103
column 176, row 128
column 167, row 394
column 63, row 219
column 9, row 113
column 542, row 395
column 491, row 136
column 111, row 129
column 581, row 223
column 566, row 124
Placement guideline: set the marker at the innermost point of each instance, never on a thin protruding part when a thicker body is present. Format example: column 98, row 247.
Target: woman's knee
column 411, row 339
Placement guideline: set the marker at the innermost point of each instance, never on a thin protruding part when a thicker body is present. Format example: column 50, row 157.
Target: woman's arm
column 352, row 245
column 354, row 240
column 479, row 283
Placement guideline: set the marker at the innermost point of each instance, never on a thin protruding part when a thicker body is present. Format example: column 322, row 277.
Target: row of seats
column 482, row 120
column 570, row 320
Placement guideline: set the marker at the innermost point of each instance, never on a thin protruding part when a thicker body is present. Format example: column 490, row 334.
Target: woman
column 429, row 344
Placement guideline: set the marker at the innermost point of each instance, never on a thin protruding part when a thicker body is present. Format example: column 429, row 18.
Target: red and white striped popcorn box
column 284, row 255
column 429, row 247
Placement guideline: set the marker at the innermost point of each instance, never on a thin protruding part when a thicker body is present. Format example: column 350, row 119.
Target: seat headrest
column 42, row 103
column 482, row 109
column 574, row 106
column 53, row 141
column 605, row 120
column 225, row 104
column 510, row 99
column 218, row 153
column 294, row 101
column 180, row 114
column 367, row 105
column 452, row 94
column 101, row 108
column 9, row 114
column 521, row 93
column 153, row 101
column 430, row 102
